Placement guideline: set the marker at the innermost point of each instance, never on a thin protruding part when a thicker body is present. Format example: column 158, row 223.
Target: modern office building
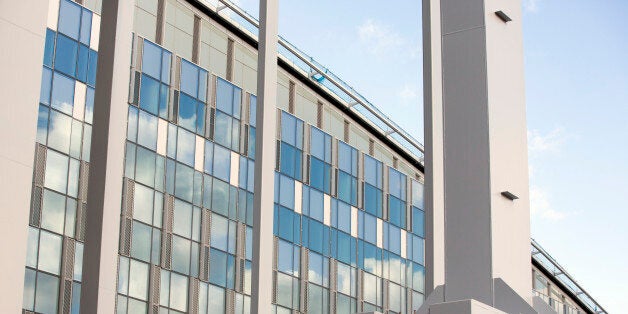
column 130, row 144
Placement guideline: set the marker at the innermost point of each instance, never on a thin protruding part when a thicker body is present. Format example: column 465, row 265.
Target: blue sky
column 576, row 62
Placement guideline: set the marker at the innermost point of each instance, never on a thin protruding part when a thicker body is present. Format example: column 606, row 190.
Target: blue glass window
column 66, row 55
column 369, row 258
column 193, row 80
column 186, row 146
column 397, row 197
column 343, row 220
column 288, row 259
column 222, row 163
column 147, row 130
column 347, row 182
column 313, row 203
column 222, row 270
column 92, row 67
column 46, row 86
column 187, row 112
column 373, row 186
column 417, row 194
column 49, row 49
column 344, row 247
column 83, row 63
column 286, row 192
column 154, row 92
column 209, row 157
column 320, row 161
column 287, row 224
column 228, row 98
column 252, row 110
column 62, row 93
column 291, row 154
column 86, row 27
column 69, row 18
column 418, row 222
column 89, row 105
column 227, row 131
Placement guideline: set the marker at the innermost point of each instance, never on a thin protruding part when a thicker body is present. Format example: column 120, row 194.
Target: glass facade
column 56, row 232
column 348, row 229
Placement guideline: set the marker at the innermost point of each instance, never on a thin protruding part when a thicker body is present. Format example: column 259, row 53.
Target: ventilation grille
column 371, row 147
column 346, row 132
column 35, row 215
column 67, row 296
column 291, row 96
column 83, row 180
column 196, row 38
column 319, row 115
column 212, row 123
column 125, row 246
column 155, row 284
column 134, row 92
column 230, row 301
column 68, row 258
column 167, row 250
column 129, row 194
column 82, row 221
column 230, row 58
column 194, row 295
column 161, row 7
column 40, row 164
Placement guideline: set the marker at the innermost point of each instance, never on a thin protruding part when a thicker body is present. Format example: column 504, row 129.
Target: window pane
column 89, row 105
column 224, row 96
column 151, row 59
column 189, row 78
column 83, row 63
column 138, row 280
column 32, row 247
column 219, row 232
column 28, row 299
column 56, row 171
column 69, row 18
column 186, row 145
column 46, row 84
column 140, row 241
column 49, row 47
column 222, row 163
column 53, row 211
column 182, row 222
column 216, row 299
column 91, row 71
column 147, row 130
column 49, row 252
column 86, row 27
column 288, row 127
column 47, row 293
column 145, row 166
column 42, row 124
column 223, row 129
column 179, row 292
column 62, row 93
column 218, row 269
column 253, row 110
column 181, row 255
column 60, row 131
column 143, row 204
column 149, row 95
column 66, row 55
column 187, row 112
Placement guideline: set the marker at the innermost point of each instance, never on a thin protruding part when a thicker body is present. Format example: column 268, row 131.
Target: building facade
column 140, row 176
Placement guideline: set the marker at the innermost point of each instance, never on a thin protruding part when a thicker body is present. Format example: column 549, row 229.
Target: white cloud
column 408, row 93
column 531, row 5
column 381, row 39
column 549, row 142
column 541, row 207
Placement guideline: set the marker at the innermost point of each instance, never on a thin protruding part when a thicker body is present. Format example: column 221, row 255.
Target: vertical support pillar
column 476, row 148
column 98, row 294
column 22, row 32
column 433, row 124
column 265, row 159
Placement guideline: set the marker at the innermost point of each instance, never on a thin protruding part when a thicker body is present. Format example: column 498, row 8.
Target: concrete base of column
column 505, row 300
column 463, row 307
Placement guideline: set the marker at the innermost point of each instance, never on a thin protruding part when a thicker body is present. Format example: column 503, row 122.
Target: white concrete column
column 98, row 294
column 265, row 148
column 475, row 150
column 22, row 34
column 433, row 126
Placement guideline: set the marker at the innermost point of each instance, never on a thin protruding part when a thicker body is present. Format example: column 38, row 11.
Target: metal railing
column 326, row 79
column 561, row 275
column 557, row 305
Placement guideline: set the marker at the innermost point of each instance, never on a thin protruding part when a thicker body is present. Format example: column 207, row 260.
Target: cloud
column 408, row 93
column 541, row 207
column 380, row 39
column 531, row 5
column 549, row 142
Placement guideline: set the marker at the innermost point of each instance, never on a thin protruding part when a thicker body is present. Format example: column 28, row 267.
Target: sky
column 576, row 67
